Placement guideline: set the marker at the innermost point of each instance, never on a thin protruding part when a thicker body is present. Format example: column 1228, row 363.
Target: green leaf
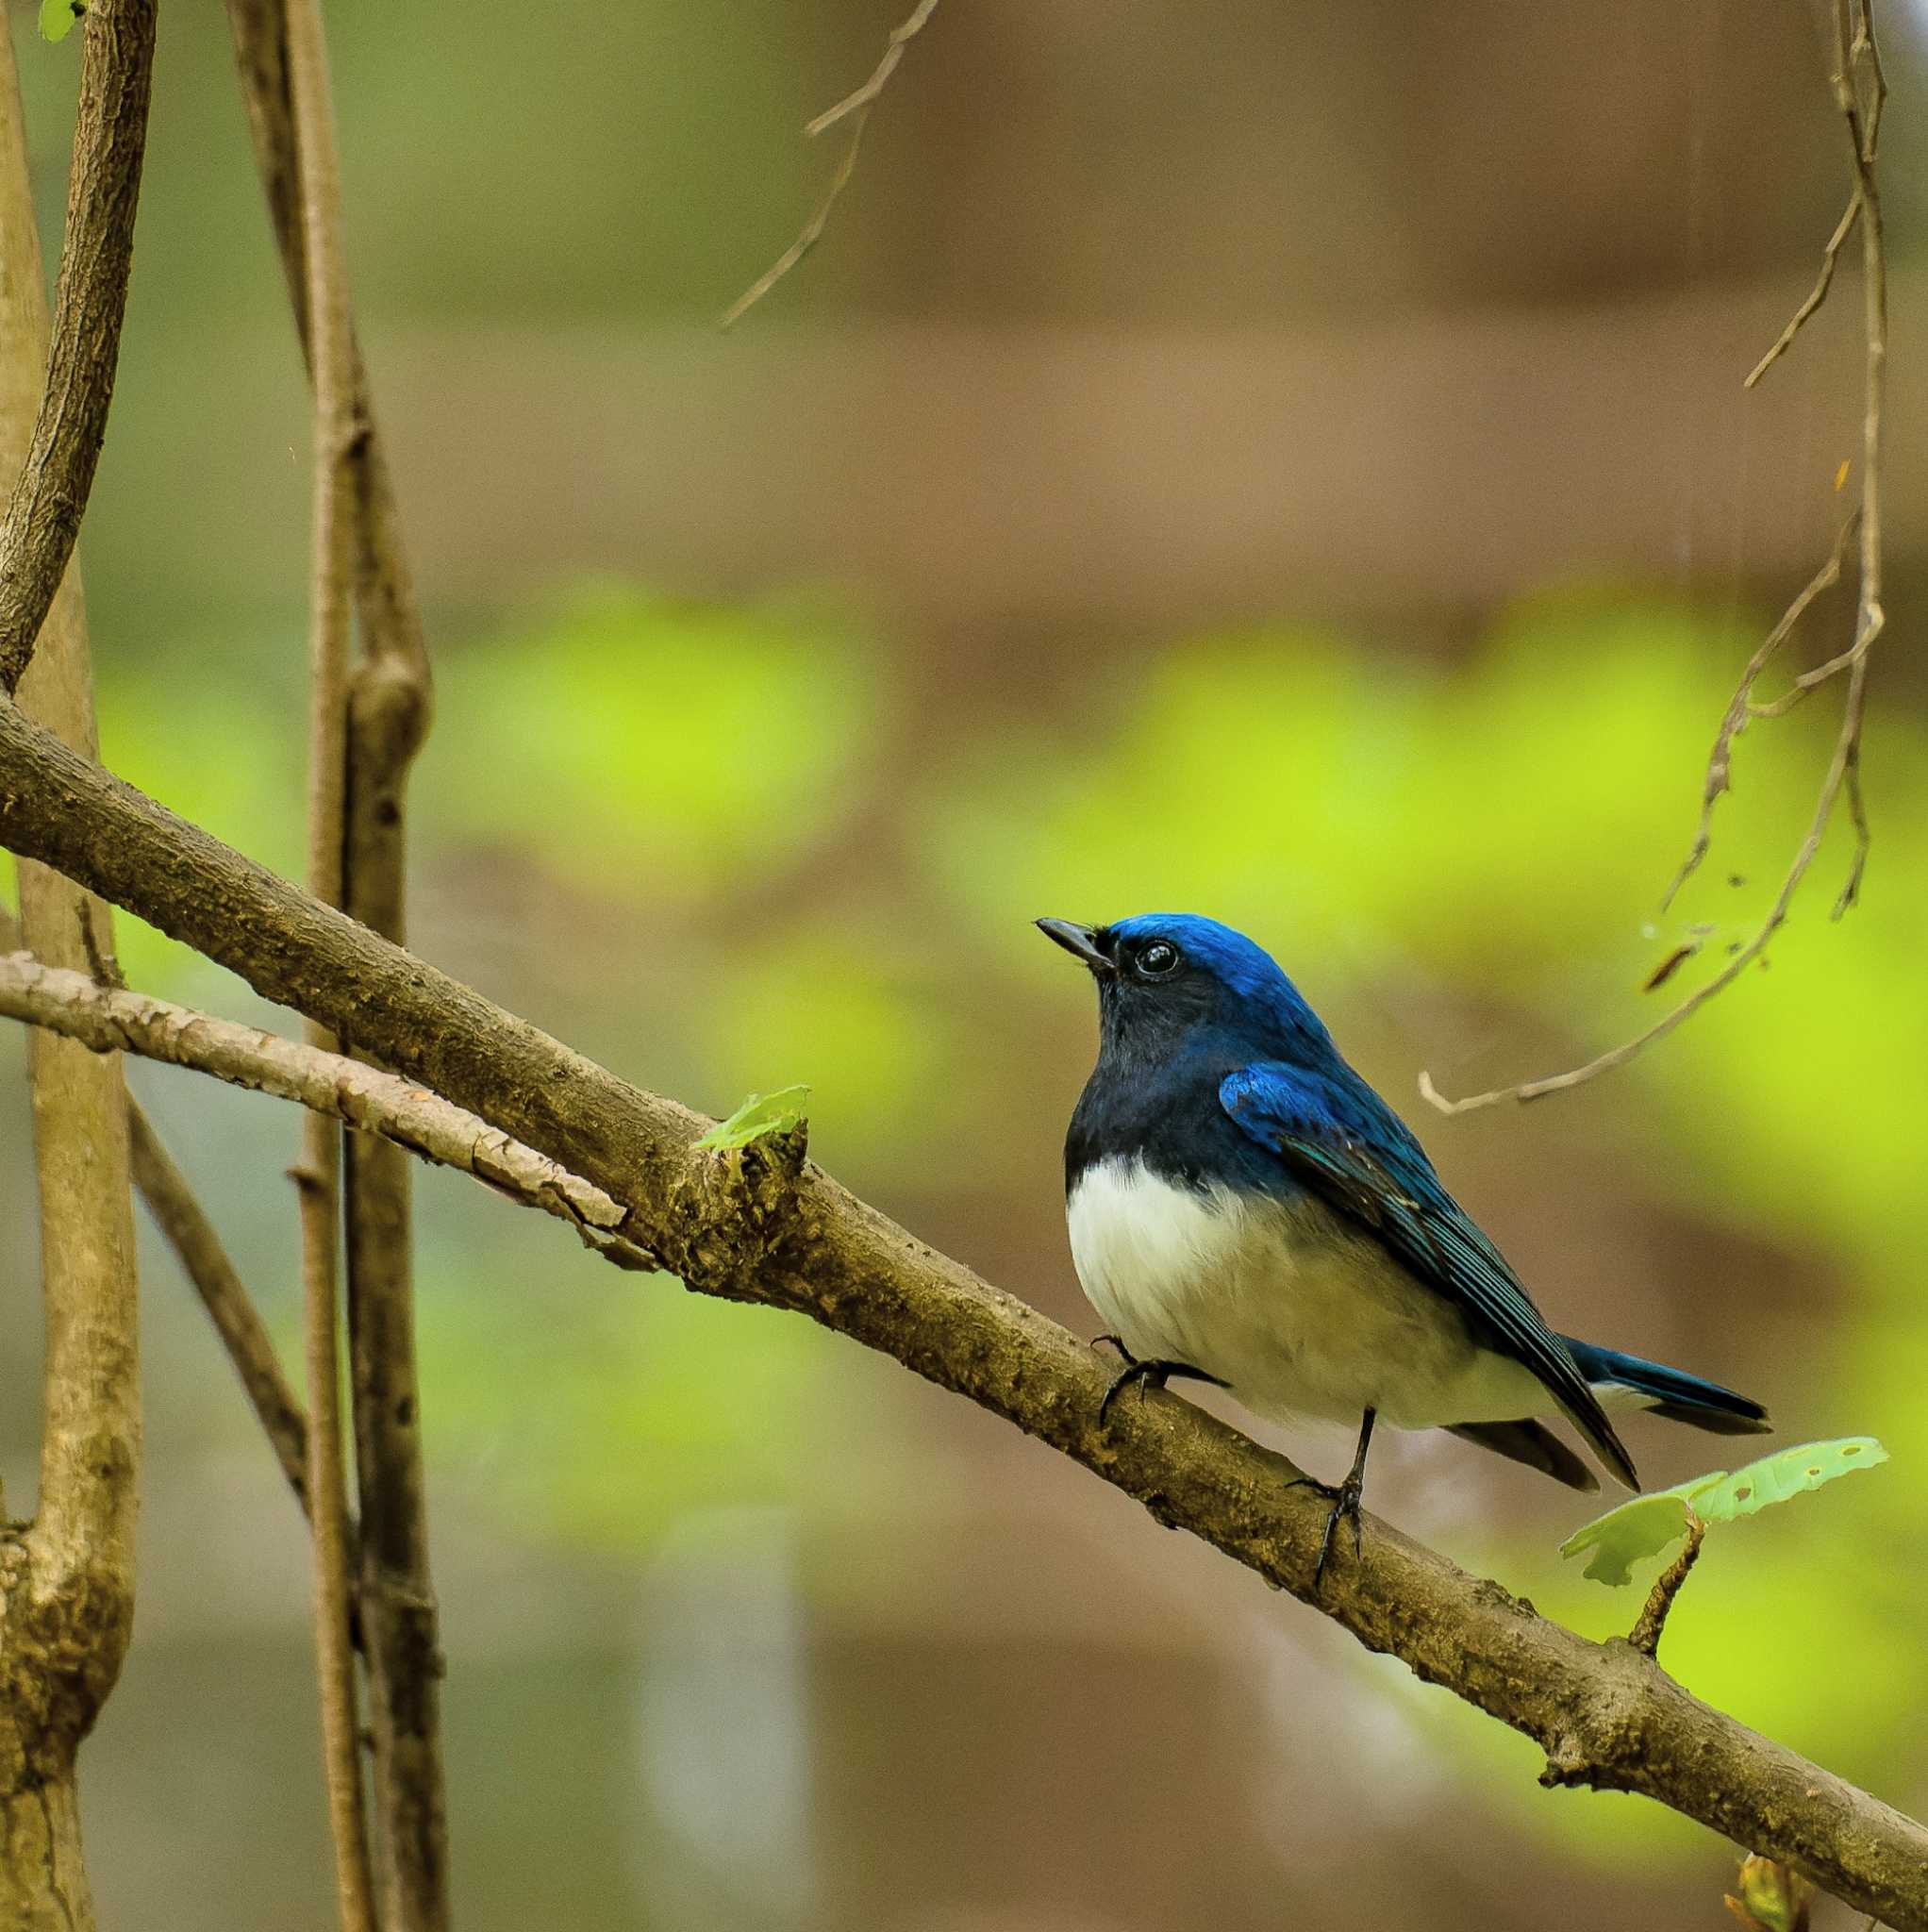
column 1644, row 1525
column 762, row 1113
column 1640, row 1527
column 1787, row 1472
column 58, row 18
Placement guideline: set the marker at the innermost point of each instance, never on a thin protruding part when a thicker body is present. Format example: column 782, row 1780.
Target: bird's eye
column 1157, row 960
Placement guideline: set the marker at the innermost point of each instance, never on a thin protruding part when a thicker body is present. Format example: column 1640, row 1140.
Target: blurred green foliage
column 671, row 747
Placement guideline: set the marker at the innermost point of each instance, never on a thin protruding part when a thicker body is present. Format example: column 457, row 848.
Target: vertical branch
column 67, row 1581
column 397, row 1588
column 390, row 620
column 318, row 1179
column 389, row 709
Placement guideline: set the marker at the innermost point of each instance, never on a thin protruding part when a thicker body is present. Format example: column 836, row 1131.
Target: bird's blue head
column 1170, row 982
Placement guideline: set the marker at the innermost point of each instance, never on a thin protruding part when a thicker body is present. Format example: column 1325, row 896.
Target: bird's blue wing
column 1349, row 1148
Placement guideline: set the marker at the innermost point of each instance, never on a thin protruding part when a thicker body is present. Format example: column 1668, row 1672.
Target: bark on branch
column 765, row 1227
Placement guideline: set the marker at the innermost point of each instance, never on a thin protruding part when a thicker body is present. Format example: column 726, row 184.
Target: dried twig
column 1645, row 1636
column 50, row 496
column 1859, row 89
column 1742, row 706
column 855, row 107
column 1817, row 295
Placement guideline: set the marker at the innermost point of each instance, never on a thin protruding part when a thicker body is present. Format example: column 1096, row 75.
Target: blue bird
column 1245, row 1210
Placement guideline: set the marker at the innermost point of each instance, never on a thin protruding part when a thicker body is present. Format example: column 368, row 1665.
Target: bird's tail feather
column 1672, row 1392
column 1535, row 1445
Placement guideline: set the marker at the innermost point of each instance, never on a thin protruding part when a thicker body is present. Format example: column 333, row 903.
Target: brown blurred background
column 1289, row 464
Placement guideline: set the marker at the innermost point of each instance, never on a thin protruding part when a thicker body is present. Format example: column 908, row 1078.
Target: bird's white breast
column 1300, row 1313
column 1143, row 1246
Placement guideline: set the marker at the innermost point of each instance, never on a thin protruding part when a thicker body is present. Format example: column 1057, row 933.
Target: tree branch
column 318, row 1177
column 765, row 1227
column 50, row 496
column 109, row 1019
column 389, row 711
column 66, row 1580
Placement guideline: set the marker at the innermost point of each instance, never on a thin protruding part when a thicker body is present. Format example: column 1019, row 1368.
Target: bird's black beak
column 1082, row 941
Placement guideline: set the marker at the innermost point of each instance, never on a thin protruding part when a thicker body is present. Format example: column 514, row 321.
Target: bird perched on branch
column 1244, row 1210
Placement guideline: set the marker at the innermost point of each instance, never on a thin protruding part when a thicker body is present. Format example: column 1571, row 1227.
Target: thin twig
column 50, row 496
column 1857, row 812
column 1777, row 915
column 1859, row 89
column 204, row 1261
column 371, row 1101
column 1829, row 256
column 1740, row 707
column 318, row 1175
column 1645, row 1636
column 855, row 107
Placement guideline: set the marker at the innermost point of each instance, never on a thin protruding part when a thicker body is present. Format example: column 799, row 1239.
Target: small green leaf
column 762, row 1113
column 1787, row 1472
column 1640, row 1527
column 58, row 18
column 1644, row 1525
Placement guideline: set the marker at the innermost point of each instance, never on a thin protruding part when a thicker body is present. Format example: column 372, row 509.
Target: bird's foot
column 1344, row 1498
column 1154, row 1375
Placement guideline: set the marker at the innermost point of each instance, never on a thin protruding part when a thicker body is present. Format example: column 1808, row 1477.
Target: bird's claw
column 1344, row 1498
column 1147, row 1374
column 1143, row 1373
